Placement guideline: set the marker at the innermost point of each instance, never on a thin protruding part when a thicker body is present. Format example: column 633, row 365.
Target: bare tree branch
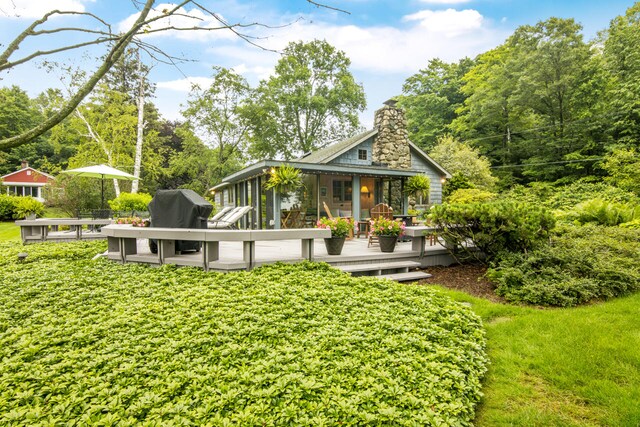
column 8, row 65
column 328, row 7
column 118, row 44
column 112, row 57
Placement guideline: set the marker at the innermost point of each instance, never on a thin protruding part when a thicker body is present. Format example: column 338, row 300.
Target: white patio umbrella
column 103, row 172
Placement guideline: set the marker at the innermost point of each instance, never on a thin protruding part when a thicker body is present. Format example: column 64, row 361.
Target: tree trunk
column 138, row 158
column 99, row 140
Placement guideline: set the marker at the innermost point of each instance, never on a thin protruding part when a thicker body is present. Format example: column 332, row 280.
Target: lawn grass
column 561, row 367
column 52, row 212
column 9, row 231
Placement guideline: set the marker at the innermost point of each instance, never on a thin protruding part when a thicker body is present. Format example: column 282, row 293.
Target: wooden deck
column 61, row 229
column 355, row 252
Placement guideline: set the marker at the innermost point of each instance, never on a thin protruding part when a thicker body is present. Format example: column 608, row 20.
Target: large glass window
column 299, row 208
column 336, row 191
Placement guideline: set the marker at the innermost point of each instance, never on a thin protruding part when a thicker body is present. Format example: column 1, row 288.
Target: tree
column 215, row 114
column 432, row 98
column 146, row 23
column 310, row 101
column 623, row 168
column 129, row 76
column 459, row 158
column 622, row 61
column 194, row 165
column 108, row 125
column 537, row 100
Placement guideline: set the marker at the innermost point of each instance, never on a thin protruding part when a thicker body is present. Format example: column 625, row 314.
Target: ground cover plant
column 580, row 264
column 95, row 342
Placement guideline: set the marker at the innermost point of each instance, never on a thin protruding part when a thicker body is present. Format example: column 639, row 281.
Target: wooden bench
column 122, row 243
column 48, row 229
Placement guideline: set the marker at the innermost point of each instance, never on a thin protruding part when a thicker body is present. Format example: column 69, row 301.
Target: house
column 26, row 182
column 350, row 177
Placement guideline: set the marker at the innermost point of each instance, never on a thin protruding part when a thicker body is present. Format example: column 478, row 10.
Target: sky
column 387, row 41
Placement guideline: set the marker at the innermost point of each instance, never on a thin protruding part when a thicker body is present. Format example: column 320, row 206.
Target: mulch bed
column 465, row 278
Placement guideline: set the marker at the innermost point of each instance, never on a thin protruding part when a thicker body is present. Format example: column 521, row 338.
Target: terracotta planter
column 334, row 245
column 387, row 243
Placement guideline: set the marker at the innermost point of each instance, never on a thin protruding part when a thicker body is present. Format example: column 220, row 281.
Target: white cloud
column 183, row 18
column 30, row 9
column 185, row 85
column 444, row 1
column 449, row 35
column 449, row 22
column 260, row 72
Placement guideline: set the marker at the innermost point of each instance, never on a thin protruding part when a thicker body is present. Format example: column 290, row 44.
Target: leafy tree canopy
column 310, row 101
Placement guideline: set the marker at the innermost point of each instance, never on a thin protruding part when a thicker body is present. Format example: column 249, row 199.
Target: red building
column 26, row 182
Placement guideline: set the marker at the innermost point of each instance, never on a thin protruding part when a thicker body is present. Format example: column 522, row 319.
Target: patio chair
column 221, row 213
column 232, row 217
column 381, row 210
column 221, row 216
column 328, row 211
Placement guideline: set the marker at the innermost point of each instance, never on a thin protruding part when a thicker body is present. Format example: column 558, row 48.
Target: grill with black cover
column 179, row 209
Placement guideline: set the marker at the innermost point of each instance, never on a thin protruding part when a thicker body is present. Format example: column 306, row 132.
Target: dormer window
column 362, row 155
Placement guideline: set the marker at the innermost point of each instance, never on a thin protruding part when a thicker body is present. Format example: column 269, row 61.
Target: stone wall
column 391, row 144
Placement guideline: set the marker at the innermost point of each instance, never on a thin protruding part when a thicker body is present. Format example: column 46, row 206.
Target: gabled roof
column 326, row 154
column 18, row 173
column 428, row 159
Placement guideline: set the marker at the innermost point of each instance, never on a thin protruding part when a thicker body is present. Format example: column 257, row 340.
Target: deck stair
column 398, row 270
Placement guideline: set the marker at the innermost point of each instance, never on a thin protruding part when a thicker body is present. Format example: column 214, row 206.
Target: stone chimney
column 24, row 164
column 391, row 145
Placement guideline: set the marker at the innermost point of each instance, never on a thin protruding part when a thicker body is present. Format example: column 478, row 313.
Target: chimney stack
column 24, row 164
column 391, row 145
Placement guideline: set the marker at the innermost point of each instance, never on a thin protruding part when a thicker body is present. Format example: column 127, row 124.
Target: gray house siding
column 419, row 164
column 351, row 156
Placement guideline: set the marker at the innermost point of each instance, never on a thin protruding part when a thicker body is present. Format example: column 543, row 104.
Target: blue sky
column 386, row 40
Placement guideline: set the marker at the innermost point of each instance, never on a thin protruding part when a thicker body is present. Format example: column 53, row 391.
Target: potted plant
column 340, row 228
column 134, row 221
column 388, row 231
column 284, row 179
column 418, row 185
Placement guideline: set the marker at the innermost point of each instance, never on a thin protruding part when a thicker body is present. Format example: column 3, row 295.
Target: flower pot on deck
column 334, row 245
column 387, row 243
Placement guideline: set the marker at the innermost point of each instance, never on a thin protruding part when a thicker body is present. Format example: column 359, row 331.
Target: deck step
column 406, row 277
column 358, row 268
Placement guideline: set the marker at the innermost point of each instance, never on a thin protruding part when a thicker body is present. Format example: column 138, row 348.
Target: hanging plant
column 418, row 185
column 284, row 179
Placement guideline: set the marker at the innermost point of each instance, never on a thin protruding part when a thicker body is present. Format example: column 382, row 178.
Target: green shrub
column 127, row 202
column 492, row 227
column 634, row 224
column 580, row 265
column 566, row 197
column 470, row 195
column 456, row 182
column 25, row 206
column 87, row 342
column 7, row 207
column 602, row 212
